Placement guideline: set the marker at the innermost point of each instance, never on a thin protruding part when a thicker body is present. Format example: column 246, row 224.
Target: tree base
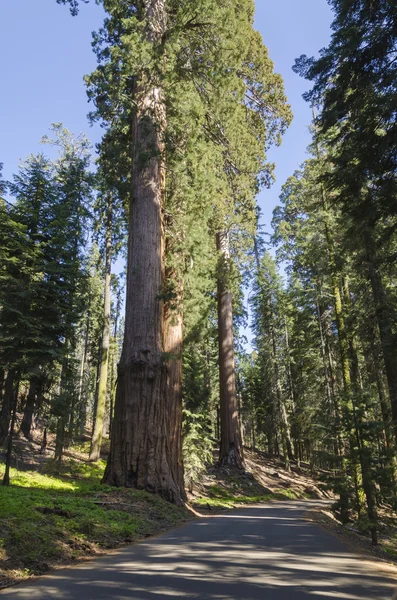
column 140, row 451
column 232, row 458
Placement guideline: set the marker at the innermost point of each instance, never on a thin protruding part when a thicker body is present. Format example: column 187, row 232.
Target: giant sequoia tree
column 140, row 447
column 154, row 72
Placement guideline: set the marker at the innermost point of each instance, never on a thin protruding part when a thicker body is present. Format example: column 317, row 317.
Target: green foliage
column 198, row 445
column 233, row 493
column 220, row 498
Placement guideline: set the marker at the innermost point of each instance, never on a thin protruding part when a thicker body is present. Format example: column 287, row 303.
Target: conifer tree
column 354, row 82
column 110, row 227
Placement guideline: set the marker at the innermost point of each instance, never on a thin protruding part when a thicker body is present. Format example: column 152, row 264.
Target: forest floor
column 265, row 479
column 53, row 515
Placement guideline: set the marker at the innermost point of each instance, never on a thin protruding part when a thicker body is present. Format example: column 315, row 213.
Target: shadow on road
column 256, row 553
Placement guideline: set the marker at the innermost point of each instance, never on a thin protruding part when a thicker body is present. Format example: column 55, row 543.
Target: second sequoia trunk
column 231, row 448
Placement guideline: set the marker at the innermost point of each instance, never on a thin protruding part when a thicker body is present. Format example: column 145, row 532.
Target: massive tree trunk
column 231, row 448
column 140, row 453
column 96, row 440
column 173, row 336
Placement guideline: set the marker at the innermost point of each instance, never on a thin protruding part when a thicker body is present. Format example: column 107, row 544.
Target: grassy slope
column 92, row 518
column 233, row 491
column 264, row 480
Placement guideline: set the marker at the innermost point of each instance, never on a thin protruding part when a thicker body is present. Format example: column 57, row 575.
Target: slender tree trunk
column 82, row 403
column 231, row 448
column 43, row 447
column 60, row 439
column 6, row 478
column 115, row 345
column 140, row 452
column 97, row 380
column 292, row 393
column 96, row 441
column 112, row 387
column 5, row 413
column 2, row 381
column 30, row 406
column 282, row 412
column 332, row 401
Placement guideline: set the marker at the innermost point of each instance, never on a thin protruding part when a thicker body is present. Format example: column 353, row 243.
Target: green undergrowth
column 83, row 447
column 221, row 497
column 226, row 487
column 62, row 515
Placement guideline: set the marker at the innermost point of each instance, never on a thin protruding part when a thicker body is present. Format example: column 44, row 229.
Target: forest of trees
column 154, row 357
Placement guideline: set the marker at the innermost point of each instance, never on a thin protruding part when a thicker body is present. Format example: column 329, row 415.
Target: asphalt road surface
column 267, row 552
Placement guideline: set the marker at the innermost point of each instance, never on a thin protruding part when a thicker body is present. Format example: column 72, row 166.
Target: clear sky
column 290, row 28
column 45, row 53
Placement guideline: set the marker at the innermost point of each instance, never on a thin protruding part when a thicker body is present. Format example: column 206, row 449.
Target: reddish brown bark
column 173, row 336
column 231, row 448
column 141, row 450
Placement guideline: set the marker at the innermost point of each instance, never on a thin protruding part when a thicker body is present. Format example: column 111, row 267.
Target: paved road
column 260, row 553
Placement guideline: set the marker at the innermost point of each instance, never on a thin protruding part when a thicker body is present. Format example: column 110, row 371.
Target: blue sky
column 46, row 52
column 291, row 28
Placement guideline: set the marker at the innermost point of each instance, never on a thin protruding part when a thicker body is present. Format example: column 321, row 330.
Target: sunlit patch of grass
column 77, row 471
column 48, row 518
column 32, row 479
column 82, row 447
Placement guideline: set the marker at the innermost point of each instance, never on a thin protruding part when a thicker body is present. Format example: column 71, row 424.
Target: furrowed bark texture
column 173, row 336
column 140, row 453
column 231, row 448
